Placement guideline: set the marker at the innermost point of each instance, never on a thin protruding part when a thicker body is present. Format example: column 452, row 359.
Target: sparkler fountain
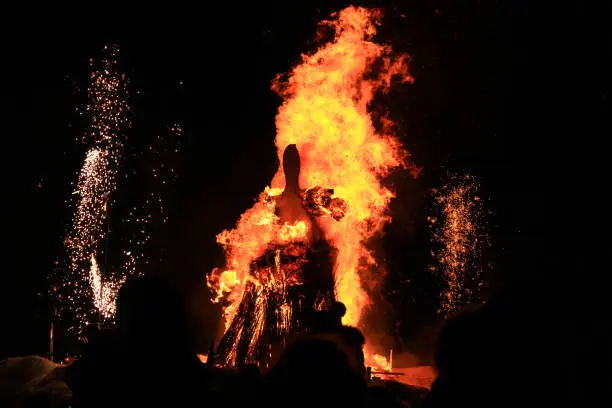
column 88, row 287
column 108, row 112
column 458, row 230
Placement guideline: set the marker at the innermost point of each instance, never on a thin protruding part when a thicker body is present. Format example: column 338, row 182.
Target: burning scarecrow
column 294, row 273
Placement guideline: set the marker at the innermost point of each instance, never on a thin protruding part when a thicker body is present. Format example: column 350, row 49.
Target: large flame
column 325, row 114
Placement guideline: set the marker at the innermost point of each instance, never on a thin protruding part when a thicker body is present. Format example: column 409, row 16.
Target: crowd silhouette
column 147, row 360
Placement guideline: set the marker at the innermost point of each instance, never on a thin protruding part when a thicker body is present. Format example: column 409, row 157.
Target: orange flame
column 378, row 362
column 325, row 113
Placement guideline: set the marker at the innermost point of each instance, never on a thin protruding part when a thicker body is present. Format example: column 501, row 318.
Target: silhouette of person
column 149, row 361
column 500, row 354
column 324, row 321
column 91, row 377
column 315, row 372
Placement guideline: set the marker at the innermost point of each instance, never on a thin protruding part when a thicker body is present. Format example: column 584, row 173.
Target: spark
column 104, row 292
column 152, row 211
column 458, row 231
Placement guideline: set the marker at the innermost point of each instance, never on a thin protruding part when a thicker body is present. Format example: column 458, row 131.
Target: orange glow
column 325, row 114
column 420, row 376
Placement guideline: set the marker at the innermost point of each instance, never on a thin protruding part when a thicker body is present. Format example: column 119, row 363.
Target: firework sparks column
column 107, row 110
column 459, row 234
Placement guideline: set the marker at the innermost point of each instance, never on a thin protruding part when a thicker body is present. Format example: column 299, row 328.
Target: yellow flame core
column 325, row 114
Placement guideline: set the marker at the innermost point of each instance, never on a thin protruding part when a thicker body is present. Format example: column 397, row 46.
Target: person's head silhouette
column 149, row 311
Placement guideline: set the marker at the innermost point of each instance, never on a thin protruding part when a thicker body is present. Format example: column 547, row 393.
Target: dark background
column 514, row 92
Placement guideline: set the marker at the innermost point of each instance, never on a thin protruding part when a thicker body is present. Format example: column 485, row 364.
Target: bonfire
column 306, row 241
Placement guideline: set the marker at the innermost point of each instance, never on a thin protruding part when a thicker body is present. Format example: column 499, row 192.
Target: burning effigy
column 305, row 243
column 294, row 273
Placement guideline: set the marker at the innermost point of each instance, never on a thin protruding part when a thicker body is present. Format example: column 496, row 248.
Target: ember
column 303, row 248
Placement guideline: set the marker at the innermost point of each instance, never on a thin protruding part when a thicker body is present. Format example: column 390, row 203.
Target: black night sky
column 513, row 93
